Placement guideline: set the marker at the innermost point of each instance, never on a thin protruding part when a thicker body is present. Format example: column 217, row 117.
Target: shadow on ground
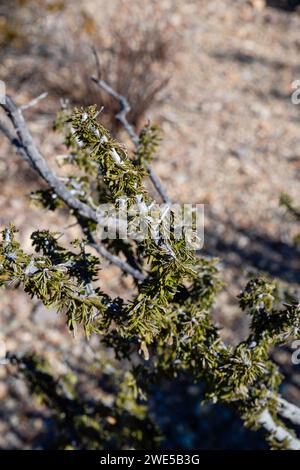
column 261, row 253
column 288, row 5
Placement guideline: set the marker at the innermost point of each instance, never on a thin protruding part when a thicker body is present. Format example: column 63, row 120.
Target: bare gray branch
column 34, row 102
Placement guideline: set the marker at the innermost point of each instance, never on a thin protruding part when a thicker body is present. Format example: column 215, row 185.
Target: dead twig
column 34, row 102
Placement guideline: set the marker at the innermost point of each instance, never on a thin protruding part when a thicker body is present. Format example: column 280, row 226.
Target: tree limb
column 27, row 149
column 289, row 411
column 277, row 431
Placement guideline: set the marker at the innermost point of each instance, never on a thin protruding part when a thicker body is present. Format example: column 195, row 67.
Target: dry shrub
column 137, row 58
column 51, row 46
column 136, row 49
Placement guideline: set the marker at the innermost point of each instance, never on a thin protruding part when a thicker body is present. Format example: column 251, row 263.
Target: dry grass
column 134, row 53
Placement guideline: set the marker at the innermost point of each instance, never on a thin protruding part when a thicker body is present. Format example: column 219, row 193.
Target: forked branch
column 27, row 149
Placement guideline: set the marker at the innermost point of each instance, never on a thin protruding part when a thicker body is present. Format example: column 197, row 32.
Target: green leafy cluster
column 57, row 277
column 168, row 319
column 148, row 144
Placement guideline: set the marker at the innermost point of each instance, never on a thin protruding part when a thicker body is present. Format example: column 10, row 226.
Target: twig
column 123, row 265
column 97, row 61
column 34, row 102
column 122, row 117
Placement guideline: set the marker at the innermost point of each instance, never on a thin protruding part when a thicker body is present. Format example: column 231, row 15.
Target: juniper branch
column 27, row 149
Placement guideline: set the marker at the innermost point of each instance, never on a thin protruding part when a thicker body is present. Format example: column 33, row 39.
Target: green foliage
column 82, row 422
column 148, row 144
column 119, row 173
column 273, row 325
column 166, row 327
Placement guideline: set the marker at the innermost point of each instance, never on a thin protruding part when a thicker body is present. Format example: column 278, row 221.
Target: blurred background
column 217, row 78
